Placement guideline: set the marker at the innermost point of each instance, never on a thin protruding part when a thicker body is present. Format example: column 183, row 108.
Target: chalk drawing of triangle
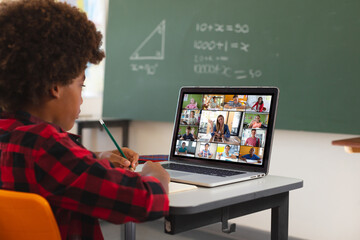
column 153, row 47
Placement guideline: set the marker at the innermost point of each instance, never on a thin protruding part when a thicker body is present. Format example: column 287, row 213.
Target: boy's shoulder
column 34, row 133
column 41, row 128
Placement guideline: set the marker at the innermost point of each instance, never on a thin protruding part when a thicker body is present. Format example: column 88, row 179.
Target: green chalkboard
column 309, row 49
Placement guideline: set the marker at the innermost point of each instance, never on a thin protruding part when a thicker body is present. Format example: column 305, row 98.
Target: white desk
column 203, row 206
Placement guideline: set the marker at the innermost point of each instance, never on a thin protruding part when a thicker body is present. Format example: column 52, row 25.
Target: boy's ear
column 54, row 91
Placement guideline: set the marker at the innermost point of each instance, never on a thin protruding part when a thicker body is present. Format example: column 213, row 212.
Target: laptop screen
column 225, row 124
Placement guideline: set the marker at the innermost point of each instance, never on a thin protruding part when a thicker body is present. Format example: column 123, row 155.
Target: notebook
column 222, row 135
column 175, row 187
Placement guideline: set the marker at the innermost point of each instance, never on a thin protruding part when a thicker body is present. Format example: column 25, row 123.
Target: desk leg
column 125, row 138
column 128, row 231
column 279, row 205
column 79, row 131
column 280, row 219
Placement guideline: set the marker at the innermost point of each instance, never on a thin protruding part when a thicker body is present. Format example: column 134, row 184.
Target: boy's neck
column 42, row 111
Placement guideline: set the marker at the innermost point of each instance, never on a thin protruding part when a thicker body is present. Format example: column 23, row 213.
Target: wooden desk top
column 352, row 145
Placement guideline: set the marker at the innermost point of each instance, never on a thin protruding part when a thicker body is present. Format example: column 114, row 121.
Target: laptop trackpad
column 176, row 174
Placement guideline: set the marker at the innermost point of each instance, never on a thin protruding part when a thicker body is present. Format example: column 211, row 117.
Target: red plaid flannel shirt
column 38, row 157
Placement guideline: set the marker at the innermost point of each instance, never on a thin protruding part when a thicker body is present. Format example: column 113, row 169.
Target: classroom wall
column 327, row 207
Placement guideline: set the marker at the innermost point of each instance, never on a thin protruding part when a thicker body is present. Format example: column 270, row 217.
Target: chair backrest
column 26, row 216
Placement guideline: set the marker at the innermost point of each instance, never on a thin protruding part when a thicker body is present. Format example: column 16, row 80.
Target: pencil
column 113, row 139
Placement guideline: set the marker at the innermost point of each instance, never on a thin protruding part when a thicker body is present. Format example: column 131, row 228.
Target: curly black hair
column 42, row 43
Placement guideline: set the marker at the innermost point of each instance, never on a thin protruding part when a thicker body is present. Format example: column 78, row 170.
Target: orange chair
column 26, row 216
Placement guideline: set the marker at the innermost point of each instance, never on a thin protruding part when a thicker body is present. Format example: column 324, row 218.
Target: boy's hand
column 156, row 170
column 118, row 161
column 131, row 156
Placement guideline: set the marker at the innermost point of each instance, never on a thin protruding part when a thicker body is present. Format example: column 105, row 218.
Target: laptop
column 222, row 135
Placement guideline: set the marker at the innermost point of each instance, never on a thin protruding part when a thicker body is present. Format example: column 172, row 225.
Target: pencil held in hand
column 113, row 139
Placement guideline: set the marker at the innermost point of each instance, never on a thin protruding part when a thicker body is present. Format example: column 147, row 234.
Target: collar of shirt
column 28, row 119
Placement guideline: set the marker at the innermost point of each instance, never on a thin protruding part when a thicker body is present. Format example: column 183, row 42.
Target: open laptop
column 222, row 134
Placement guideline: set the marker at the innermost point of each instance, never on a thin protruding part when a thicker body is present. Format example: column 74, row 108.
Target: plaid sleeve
column 69, row 177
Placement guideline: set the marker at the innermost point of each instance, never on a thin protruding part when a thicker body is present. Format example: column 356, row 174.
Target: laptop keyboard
column 201, row 170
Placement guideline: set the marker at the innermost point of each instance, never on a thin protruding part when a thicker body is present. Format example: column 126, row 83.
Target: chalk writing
column 255, row 73
column 149, row 69
column 151, row 50
column 220, row 28
column 227, row 71
column 209, row 58
column 211, row 45
column 158, row 34
column 214, row 57
column 220, row 45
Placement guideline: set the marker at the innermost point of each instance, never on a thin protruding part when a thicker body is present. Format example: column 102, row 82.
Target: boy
column 44, row 48
column 253, row 140
column 227, row 154
column 235, row 104
column 182, row 149
column 251, row 155
column 188, row 135
column 205, row 153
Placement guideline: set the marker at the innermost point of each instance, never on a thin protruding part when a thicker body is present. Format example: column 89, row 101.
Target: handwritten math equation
column 217, row 54
column 149, row 69
column 227, row 71
column 217, row 27
column 214, row 57
column 220, row 45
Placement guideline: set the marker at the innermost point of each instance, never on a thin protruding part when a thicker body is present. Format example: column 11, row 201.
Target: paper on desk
column 179, row 187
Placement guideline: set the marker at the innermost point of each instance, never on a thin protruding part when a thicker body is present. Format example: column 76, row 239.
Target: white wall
column 327, row 207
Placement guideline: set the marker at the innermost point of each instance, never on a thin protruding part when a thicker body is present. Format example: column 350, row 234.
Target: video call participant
column 235, row 104
column 182, row 149
column 210, row 103
column 259, row 105
column 205, row 153
column 188, row 135
column 192, row 118
column 226, row 153
column 250, row 156
column 256, row 123
column 220, row 130
column 192, row 104
column 253, row 141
